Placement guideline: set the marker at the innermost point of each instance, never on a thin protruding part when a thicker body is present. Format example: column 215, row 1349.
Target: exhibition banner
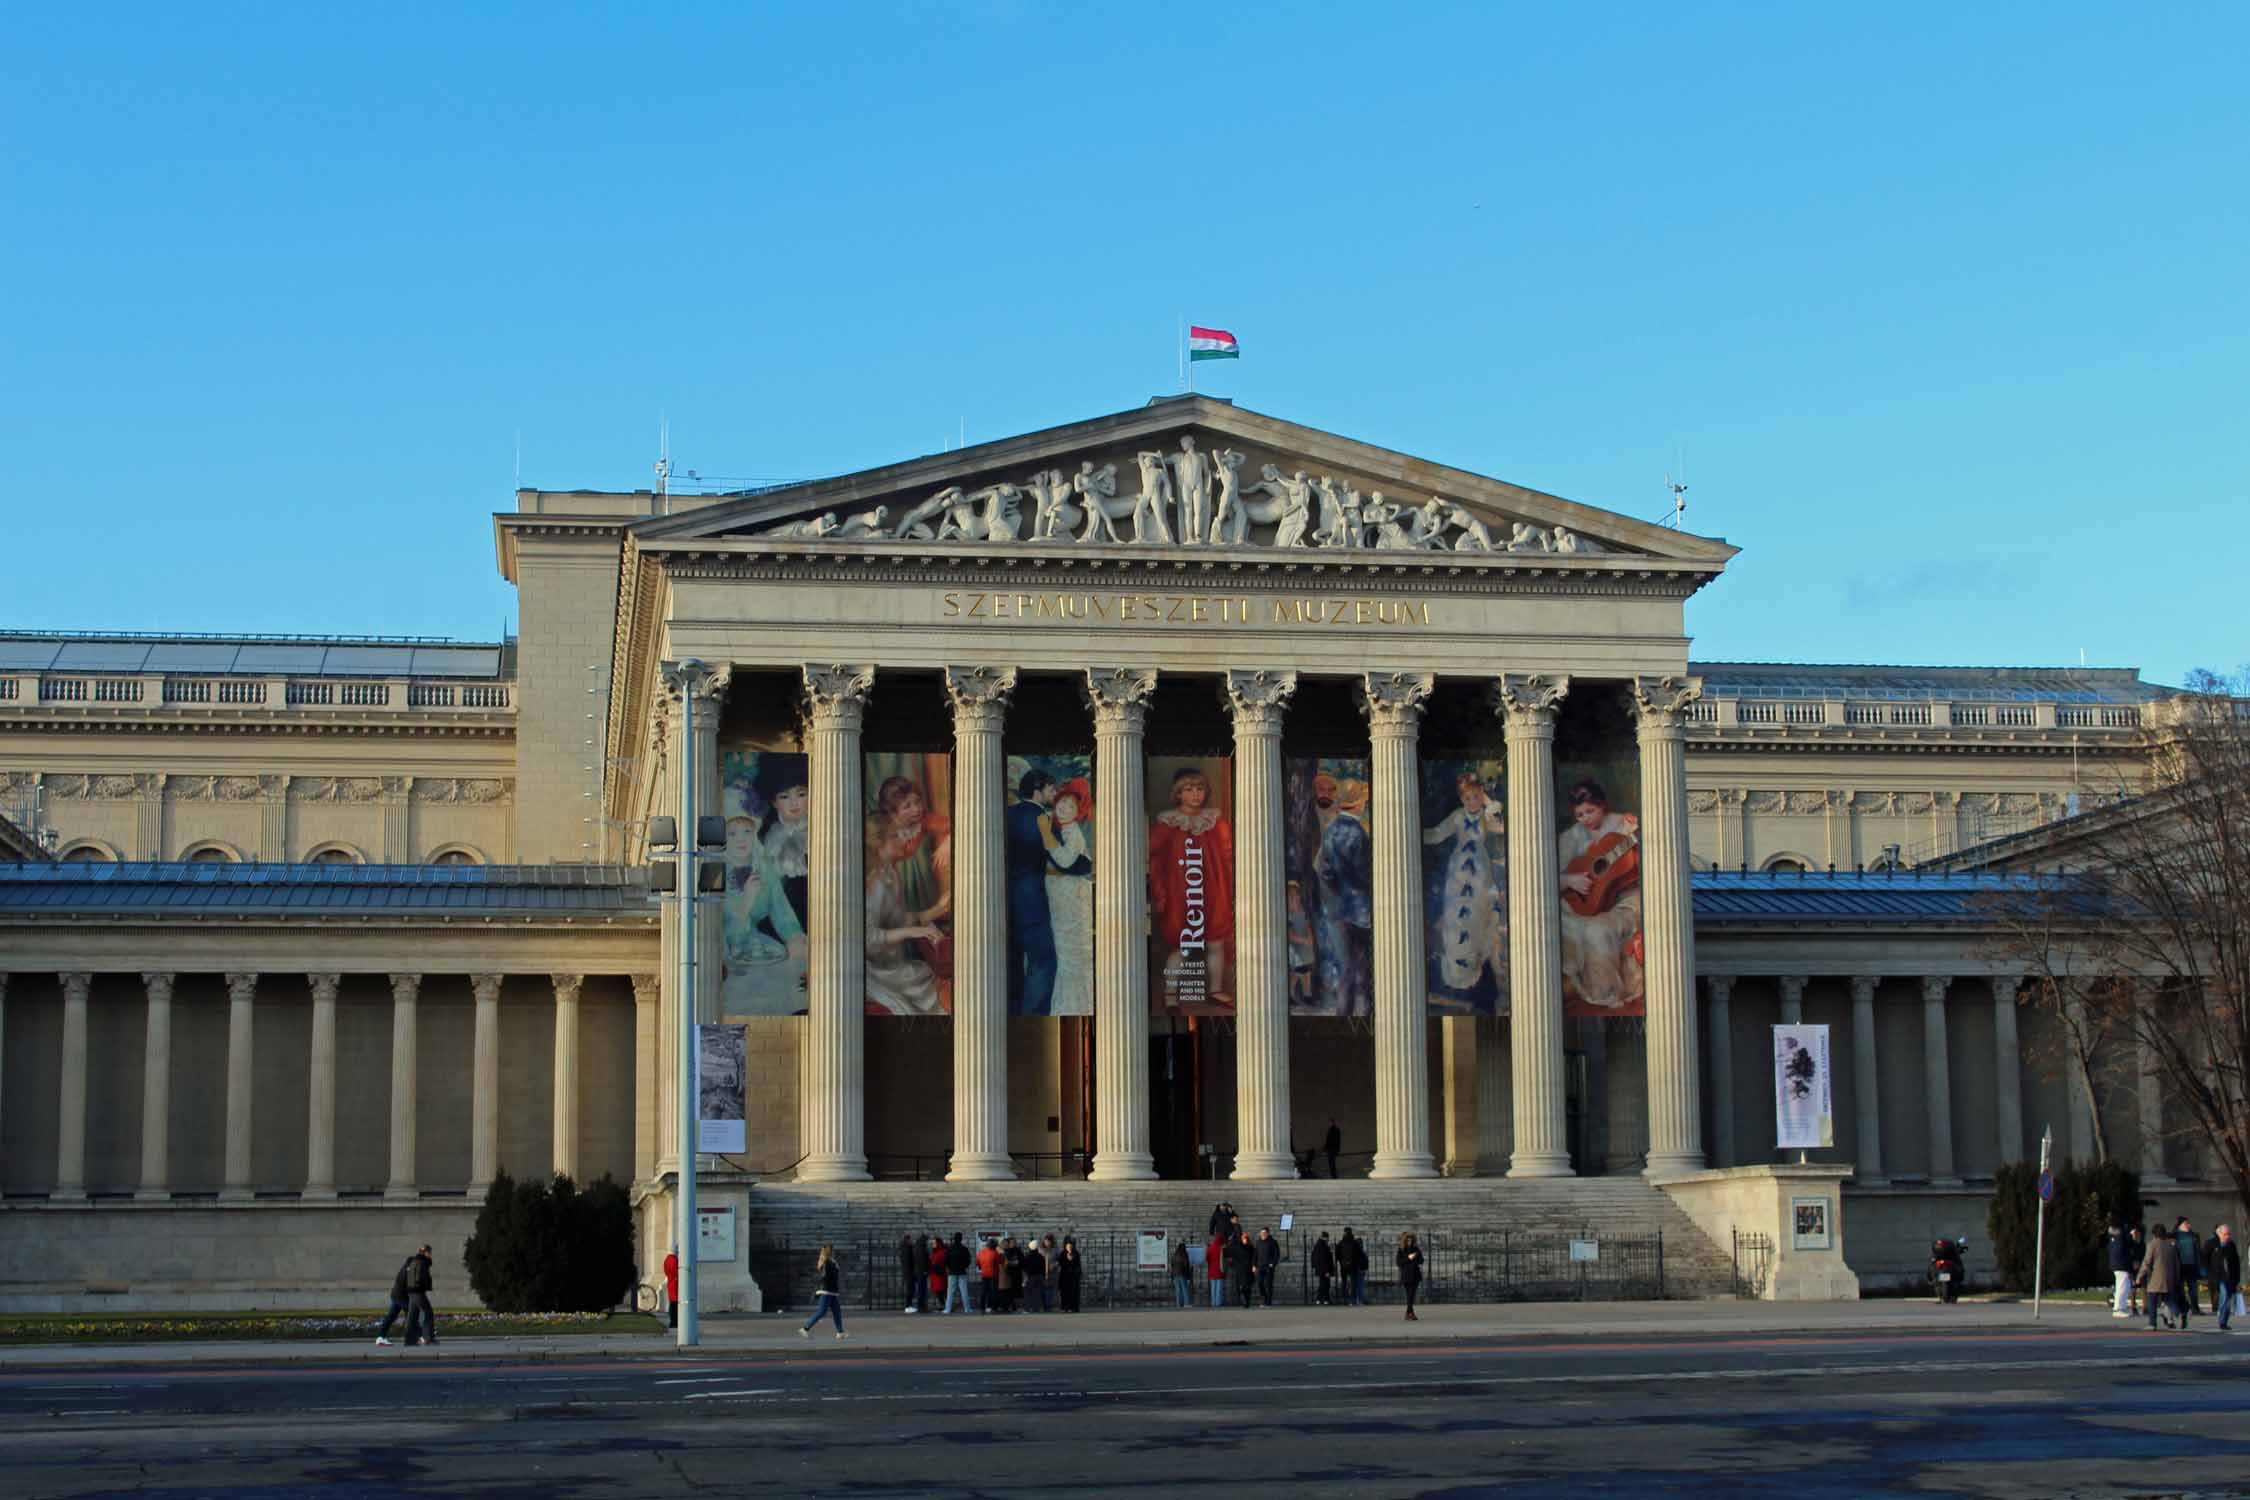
column 1803, row 1111
column 1049, row 852
column 722, row 1088
column 1191, row 885
column 1329, row 855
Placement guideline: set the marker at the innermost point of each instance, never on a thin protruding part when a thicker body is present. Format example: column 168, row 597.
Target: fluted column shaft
column 1119, row 698
column 70, row 1137
column 2080, row 1089
column 1393, row 704
column 406, row 990
column 1867, row 1098
column 1528, row 706
column 565, row 1154
column 1675, row 1114
column 242, row 992
column 1461, row 1046
column 484, row 1085
column 980, row 925
column 156, row 1091
column 2007, row 1061
column 2150, row 1096
column 835, row 1110
column 1719, row 1019
column 1258, row 700
column 1937, row 1078
column 320, row 1096
column 1791, row 990
column 1495, row 1107
column 647, row 989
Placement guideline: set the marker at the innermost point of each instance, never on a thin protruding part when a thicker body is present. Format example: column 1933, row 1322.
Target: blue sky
column 1944, row 306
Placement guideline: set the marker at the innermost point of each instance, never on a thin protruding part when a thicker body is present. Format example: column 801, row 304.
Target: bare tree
column 2137, row 931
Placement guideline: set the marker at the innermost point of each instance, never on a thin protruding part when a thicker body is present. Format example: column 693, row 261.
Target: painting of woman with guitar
column 1601, row 905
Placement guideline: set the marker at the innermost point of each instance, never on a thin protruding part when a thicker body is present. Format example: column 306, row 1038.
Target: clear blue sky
column 1947, row 311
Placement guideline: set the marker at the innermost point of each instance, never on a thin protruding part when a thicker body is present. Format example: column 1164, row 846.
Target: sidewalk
column 1155, row 1329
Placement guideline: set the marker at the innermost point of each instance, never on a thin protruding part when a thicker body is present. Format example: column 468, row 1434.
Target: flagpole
column 1187, row 382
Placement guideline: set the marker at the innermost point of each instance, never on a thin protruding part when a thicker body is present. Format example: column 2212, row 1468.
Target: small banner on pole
column 722, row 1087
column 1804, row 1114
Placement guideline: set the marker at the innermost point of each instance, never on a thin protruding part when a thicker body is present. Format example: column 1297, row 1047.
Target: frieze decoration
column 1762, row 802
column 1702, row 802
column 459, row 789
column 1807, row 804
column 1191, row 497
column 338, row 788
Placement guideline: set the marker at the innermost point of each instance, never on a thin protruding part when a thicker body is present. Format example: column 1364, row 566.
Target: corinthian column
column 980, row 926
column 1119, row 698
column 565, row 1154
column 1393, row 702
column 2007, row 1061
column 1791, row 989
column 1867, row 1098
column 1937, row 1081
column 484, row 1086
column 835, row 1029
column 406, row 990
column 70, row 1137
column 242, row 991
column 1719, row 1017
column 156, row 1091
column 2150, row 1096
column 1675, row 1114
column 320, row 1096
column 1527, row 707
column 1257, row 700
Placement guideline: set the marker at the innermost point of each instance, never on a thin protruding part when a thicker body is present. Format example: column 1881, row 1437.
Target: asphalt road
column 2110, row 1411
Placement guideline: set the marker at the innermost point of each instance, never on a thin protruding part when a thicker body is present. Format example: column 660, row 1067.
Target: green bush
column 2086, row 1199
column 548, row 1247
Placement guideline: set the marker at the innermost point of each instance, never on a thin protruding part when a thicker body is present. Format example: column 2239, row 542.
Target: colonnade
column 238, row 1184
column 1255, row 699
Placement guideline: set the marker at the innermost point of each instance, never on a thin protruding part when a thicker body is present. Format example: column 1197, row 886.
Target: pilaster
column 320, row 1098
column 1867, row 1093
column 242, row 993
column 484, row 1085
column 156, row 1092
column 1719, row 1021
column 565, row 1155
column 2007, row 1059
column 1937, row 1080
column 70, row 1136
column 406, row 990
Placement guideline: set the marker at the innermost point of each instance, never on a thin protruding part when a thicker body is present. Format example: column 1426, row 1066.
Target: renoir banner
column 1803, row 1112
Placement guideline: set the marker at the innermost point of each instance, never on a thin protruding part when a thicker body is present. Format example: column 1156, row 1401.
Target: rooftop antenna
column 1678, row 487
column 663, row 463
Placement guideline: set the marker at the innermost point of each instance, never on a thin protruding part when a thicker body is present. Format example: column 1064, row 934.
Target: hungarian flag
column 1212, row 343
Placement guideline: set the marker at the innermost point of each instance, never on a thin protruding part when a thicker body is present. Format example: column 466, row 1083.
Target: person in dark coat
column 2159, row 1276
column 419, row 1285
column 1183, row 1273
column 2139, row 1243
column 1269, row 1258
column 2222, row 1261
column 1323, row 1267
column 958, row 1261
column 935, row 1264
column 1071, row 1270
column 828, row 1294
column 1034, row 1278
column 1242, row 1267
column 1011, row 1275
column 2121, row 1267
column 910, row 1268
column 1331, row 1144
column 1221, row 1217
column 1351, row 1264
column 2191, row 1255
column 399, row 1303
column 1410, row 1265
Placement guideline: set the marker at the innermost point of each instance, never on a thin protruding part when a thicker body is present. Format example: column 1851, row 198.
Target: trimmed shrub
column 2086, row 1199
column 549, row 1247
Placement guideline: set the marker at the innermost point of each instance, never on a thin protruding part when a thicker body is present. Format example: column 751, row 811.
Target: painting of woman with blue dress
column 1464, row 885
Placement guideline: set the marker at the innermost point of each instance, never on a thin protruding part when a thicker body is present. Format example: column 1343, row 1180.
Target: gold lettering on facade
column 1185, row 609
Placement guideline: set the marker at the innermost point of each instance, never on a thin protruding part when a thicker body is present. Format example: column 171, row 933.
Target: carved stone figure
column 1191, row 485
column 1355, row 516
column 1529, row 538
column 811, row 528
column 1474, row 537
column 1334, row 531
column 866, row 523
column 1152, row 508
column 1051, row 510
column 1001, row 520
column 915, row 524
column 1571, row 541
column 1230, row 523
column 1390, row 536
column 1095, row 488
column 1426, row 527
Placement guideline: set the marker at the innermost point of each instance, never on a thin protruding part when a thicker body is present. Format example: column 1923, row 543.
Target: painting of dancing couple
column 1050, row 878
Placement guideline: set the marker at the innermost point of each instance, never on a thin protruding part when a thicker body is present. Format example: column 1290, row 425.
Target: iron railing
column 1753, row 1261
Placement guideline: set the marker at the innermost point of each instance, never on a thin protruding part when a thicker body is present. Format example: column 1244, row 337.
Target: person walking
column 1034, row 1278
column 2121, row 1267
column 1351, row 1264
column 910, row 1273
column 419, row 1284
column 1215, row 1267
column 1331, row 1144
column 2159, row 1276
column 1221, row 1217
column 988, row 1272
column 399, row 1304
column 2223, row 1262
column 934, row 1267
column 1410, row 1270
column 1323, row 1268
column 2191, row 1255
column 957, row 1263
column 672, row 1287
column 1071, row 1274
column 828, row 1297
column 1269, row 1256
column 1183, row 1274
column 2139, row 1242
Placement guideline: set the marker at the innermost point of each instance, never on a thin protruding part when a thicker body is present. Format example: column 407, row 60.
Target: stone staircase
column 1488, row 1239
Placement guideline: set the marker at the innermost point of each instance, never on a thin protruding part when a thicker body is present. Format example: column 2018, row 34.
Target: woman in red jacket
column 937, row 1269
column 1215, row 1267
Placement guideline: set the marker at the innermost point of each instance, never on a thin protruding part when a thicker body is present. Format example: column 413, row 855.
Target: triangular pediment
column 1186, row 474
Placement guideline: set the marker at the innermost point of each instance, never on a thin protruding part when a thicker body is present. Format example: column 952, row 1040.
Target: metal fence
column 1458, row 1266
column 1753, row 1260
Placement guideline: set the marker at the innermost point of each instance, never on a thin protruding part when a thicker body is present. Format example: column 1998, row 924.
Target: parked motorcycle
column 1948, row 1273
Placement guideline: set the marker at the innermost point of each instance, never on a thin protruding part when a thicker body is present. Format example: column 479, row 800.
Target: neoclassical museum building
column 1108, row 810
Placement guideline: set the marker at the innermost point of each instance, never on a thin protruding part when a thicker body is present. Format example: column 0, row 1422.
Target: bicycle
column 648, row 1298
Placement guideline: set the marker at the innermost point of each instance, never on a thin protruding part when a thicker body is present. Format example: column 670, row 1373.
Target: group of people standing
column 1011, row 1275
column 1235, row 1261
column 2164, row 1269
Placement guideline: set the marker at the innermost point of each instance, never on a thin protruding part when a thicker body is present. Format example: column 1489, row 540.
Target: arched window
column 89, row 854
column 336, row 854
column 211, row 854
column 1785, row 864
column 456, row 856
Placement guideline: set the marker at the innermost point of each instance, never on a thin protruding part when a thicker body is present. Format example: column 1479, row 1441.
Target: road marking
column 717, row 1395
column 94, row 1411
column 692, row 1380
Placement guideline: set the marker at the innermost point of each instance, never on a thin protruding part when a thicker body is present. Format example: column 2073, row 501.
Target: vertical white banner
column 722, row 1087
column 1804, row 1113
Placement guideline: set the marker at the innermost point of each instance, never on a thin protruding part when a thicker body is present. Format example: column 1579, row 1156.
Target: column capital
column 1660, row 704
column 1257, row 698
column 1527, row 700
column 404, row 987
column 1792, row 988
column 647, row 989
column 980, row 697
column 242, row 986
column 485, row 986
column 1392, row 701
column 1863, row 987
column 708, row 684
column 159, row 986
column 567, row 985
column 1721, row 987
column 2005, row 987
column 1934, row 987
column 1119, row 696
column 324, row 986
column 76, row 984
column 836, row 694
